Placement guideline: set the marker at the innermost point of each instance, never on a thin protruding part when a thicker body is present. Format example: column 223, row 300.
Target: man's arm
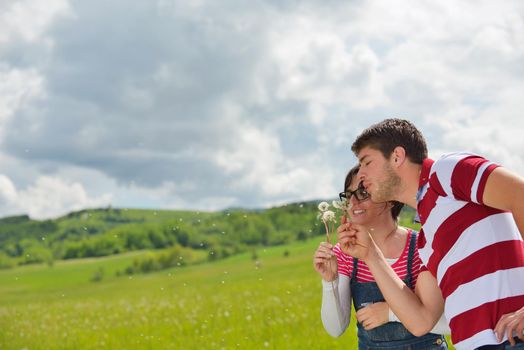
column 505, row 190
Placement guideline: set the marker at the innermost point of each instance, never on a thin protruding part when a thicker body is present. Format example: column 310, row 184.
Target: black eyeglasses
column 360, row 193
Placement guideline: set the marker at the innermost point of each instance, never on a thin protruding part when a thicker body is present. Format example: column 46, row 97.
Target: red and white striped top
column 476, row 252
column 345, row 264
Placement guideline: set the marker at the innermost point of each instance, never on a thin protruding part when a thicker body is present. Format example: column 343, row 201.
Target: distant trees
column 153, row 261
column 102, row 232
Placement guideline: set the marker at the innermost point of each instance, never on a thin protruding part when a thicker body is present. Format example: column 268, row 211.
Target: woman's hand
column 373, row 315
column 355, row 240
column 325, row 262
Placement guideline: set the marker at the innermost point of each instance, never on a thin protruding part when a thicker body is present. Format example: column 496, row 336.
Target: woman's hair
column 396, row 206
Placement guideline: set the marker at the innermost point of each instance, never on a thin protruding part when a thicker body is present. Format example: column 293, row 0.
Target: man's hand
column 509, row 323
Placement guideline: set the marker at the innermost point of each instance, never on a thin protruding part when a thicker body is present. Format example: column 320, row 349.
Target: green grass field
column 227, row 304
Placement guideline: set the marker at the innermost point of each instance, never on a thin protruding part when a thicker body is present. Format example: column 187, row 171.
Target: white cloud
column 322, row 65
column 207, row 105
column 257, row 161
column 494, row 131
column 7, row 191
column 48, row 198
column 18, row 88
column 28, row 19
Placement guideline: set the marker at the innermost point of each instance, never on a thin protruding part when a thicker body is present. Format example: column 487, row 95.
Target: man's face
column 379, row 177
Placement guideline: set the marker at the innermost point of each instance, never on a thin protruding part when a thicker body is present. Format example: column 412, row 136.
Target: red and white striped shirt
column 345, row 264
column 476, row 252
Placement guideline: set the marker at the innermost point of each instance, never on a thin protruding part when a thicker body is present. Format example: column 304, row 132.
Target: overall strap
column 354, row 272
column 411, row 253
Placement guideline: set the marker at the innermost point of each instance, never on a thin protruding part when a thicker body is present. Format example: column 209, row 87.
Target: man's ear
column 398, row 156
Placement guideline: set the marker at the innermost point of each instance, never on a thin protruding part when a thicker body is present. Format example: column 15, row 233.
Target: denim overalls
column 391, row 335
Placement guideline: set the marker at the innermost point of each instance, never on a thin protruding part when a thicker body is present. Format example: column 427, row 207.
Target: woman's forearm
column 417, row 317
column 336, row 305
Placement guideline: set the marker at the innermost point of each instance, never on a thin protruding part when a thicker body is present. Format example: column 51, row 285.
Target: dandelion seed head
column 329, row 216
column 323, row 206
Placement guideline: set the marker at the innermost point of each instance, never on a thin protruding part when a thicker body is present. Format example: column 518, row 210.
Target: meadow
column 234, row 303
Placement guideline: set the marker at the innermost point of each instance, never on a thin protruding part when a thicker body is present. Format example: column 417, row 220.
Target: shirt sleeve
column 344, row 261
column 462, row 176
column 336, row 305
column 421, row 242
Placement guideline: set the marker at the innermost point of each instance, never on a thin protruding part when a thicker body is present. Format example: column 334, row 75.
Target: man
column 472, row 216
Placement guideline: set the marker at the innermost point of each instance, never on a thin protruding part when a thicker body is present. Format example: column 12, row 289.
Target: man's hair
column 390, row 133
column 397, row 206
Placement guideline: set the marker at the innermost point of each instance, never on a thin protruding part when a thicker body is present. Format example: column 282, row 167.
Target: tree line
column 102, row 232
column 175, row 234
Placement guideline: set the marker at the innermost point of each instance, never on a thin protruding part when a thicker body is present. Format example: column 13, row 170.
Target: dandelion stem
column 327, row 232
column 335, row 294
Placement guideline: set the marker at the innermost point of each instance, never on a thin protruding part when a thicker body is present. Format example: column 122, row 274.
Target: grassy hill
column 234, row 279
column 233, row 303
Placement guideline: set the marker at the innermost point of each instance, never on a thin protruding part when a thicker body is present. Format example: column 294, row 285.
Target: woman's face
column 365, row 212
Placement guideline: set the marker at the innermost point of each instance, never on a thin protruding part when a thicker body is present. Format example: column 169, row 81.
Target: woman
column 345, row 279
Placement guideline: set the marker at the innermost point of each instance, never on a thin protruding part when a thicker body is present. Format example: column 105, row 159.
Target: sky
column 207, row 105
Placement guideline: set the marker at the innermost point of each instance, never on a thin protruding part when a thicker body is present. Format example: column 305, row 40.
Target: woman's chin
column 358, row 219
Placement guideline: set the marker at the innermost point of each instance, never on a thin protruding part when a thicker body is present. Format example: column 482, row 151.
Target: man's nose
column 361, row 174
